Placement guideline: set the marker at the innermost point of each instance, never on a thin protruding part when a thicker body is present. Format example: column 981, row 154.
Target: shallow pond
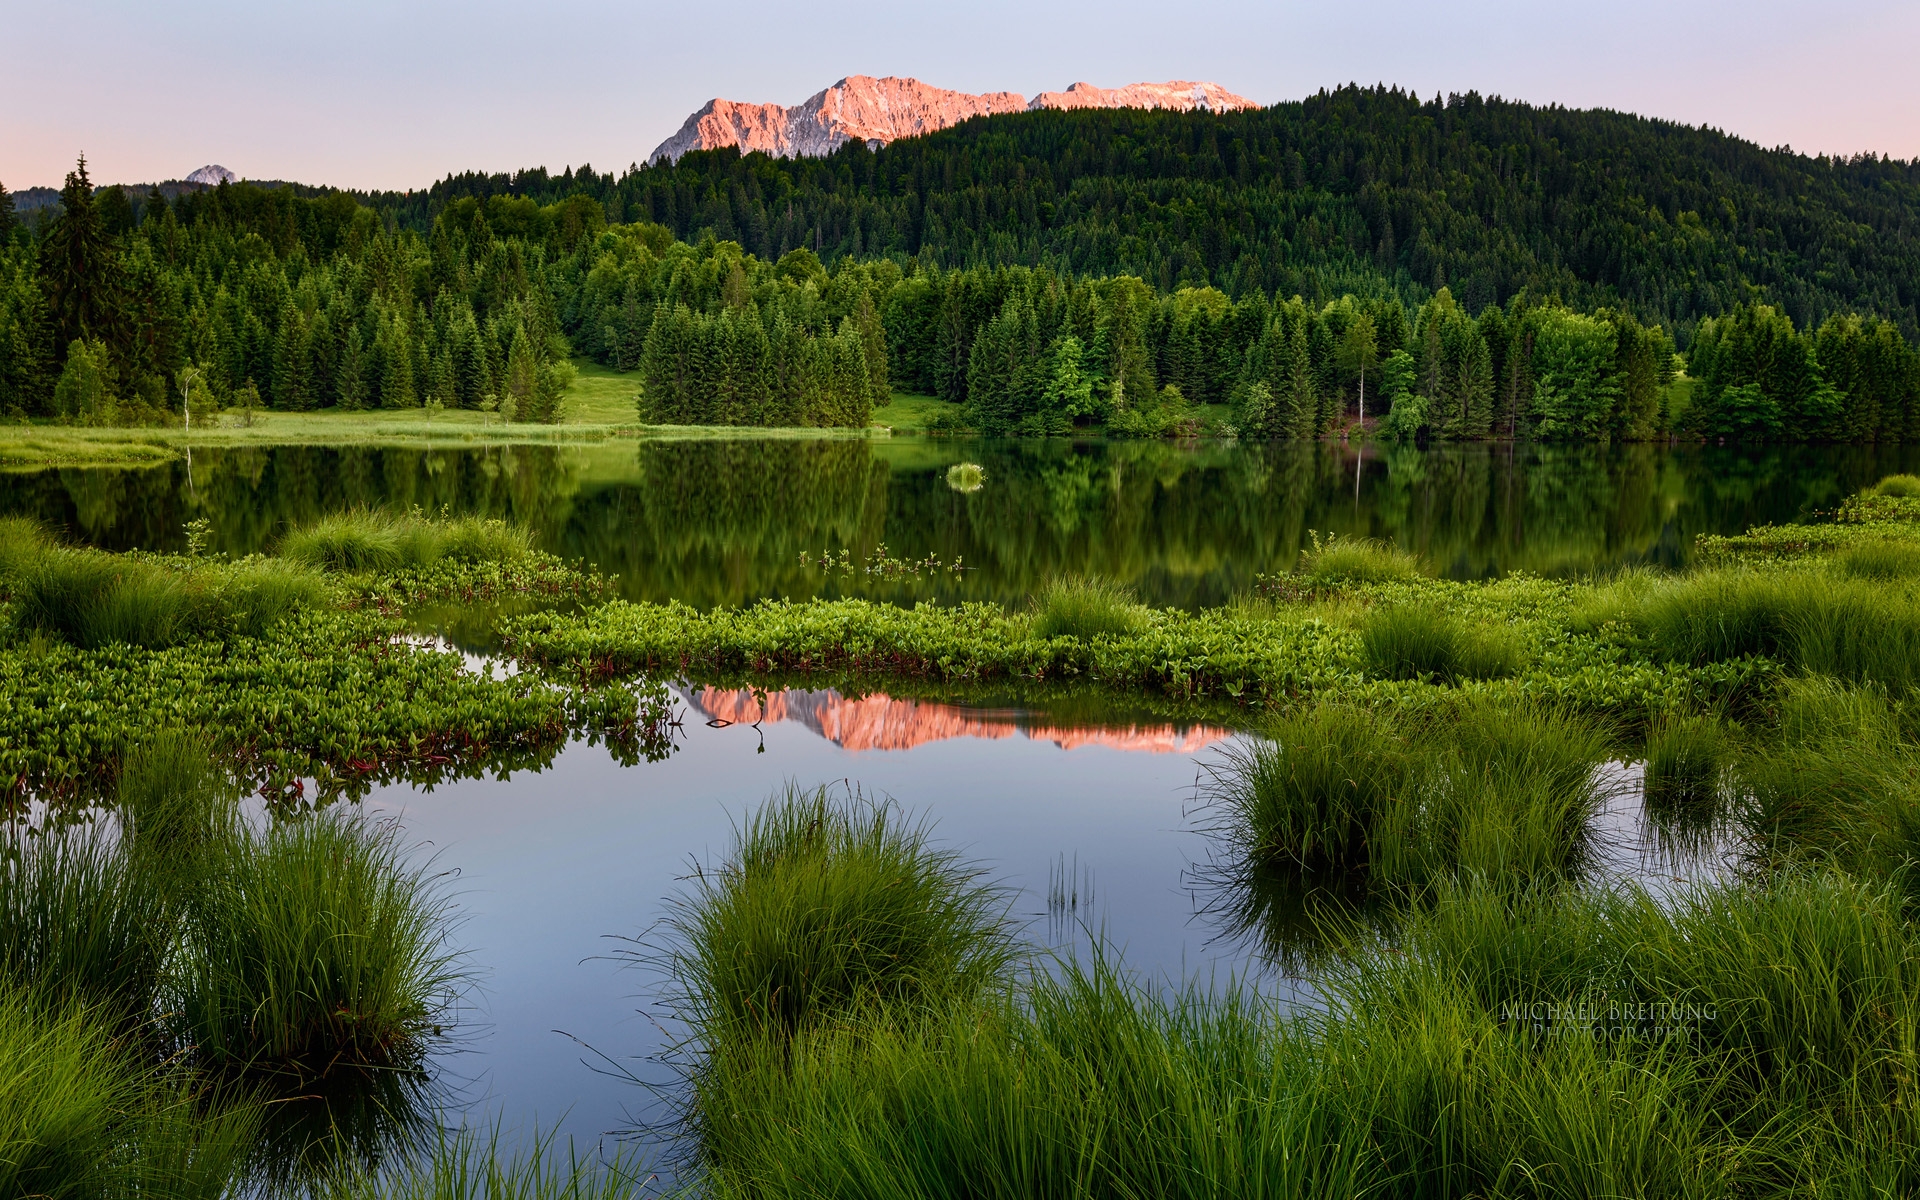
column 1092, row 828
column 727, row 521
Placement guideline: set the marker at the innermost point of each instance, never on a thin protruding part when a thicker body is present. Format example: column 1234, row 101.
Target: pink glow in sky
column 396, row 95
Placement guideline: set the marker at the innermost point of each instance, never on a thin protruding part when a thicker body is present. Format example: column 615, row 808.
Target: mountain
column 877, row 111
column 213, row 175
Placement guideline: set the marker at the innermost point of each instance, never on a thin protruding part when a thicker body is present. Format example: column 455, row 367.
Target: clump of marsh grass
column 458, row 1165
column 1847, row 628
column 1897, row 485
column 1416, row 641
column 966, row 477
column 1879, row 558
column 79, row 918
column 827, row 906
column 364, row 540
column 313, row 947
column 93, row 599
column 1084, row 607
column 1492, row 790
column 1339, row 560
column 22, row 542
column 1688, row 761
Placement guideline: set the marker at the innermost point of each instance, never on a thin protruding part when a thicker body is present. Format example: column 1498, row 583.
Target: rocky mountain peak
column 880, row 110
column 213, row 175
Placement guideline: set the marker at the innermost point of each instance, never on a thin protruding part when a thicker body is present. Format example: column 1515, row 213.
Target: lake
column 727, row 521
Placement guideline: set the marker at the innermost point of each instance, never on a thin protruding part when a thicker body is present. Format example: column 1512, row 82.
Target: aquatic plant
column 365, row 540
column 1687, row 763
column 1338, row 560
column 80, row 919
column 827, row 904
column 966, row 477
column 311, row 947
column 1413, row 641
column 22, row 542
column 459, row 1165
column 1901, row 486
column 1311, row 788
column 94, row 599
column 1086, row 608
column 1879, row 558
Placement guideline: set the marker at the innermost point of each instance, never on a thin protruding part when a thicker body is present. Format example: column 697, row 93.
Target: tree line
column 1365, row 190
column 245, row 295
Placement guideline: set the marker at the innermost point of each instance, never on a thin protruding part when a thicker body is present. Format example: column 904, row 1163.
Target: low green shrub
column 313, row 947
column 1898, row 485
column 1416, row 641
column 1086, row 608
column 823, row 907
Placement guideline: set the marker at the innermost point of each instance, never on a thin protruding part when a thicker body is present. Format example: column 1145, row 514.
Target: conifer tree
column 81, row 271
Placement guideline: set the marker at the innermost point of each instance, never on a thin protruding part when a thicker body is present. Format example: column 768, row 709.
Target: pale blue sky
column 363, row 94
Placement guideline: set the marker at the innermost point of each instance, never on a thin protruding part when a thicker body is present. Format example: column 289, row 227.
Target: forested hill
column 1364, row 190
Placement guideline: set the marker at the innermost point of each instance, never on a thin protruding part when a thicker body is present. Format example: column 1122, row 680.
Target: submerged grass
column 364, row 540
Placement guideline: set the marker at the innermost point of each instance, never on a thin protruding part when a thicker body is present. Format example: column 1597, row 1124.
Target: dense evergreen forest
column 1463, row 269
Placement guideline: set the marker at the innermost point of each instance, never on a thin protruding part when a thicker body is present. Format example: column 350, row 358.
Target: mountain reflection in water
column 877, row 721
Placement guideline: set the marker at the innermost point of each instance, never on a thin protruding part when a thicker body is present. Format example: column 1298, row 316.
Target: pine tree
column 350, row 384
column 81, row 271
column 9, row 219
column 522, row 382
column 873, row 342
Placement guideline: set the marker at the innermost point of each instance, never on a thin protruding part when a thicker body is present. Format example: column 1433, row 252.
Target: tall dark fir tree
column 79, row 270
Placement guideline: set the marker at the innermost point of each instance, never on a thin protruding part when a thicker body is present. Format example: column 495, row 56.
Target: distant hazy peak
column 213, row 175
column 879, row 110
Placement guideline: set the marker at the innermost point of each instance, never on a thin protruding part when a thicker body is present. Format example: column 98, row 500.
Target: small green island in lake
column 1170, row 345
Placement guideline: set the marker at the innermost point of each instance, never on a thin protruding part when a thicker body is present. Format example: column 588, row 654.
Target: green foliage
column 1881, row 558
column 1417, row 641
column 1687, row 765
column 313, row 947
column 1901, row 486
column 825, row 906
column 1086, row 608
column 361, row 541
column 93, row 599
column 458, row 1165
column 80, row 920
column 1339, row 560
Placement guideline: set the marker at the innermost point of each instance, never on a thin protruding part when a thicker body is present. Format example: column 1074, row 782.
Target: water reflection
column 725, row 522
column 877, row 721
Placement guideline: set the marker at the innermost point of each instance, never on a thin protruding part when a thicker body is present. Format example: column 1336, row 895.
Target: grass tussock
column 1688, row 764
column 80, row 919
column 1338, row 561
column 1898, row 485
column 966, row 477
column 1817, row 623
column 1087, row 608
column 1414, row 641
column 313, row 947
column 364, row 540
column 459, row 1165
column 1879, row 558
column 1579, row 1044
column 1487, row 790
column 827, row 905
column 93, row 599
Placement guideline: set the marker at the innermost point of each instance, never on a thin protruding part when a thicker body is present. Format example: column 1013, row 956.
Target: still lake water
column 725, row 522
column 551, row 869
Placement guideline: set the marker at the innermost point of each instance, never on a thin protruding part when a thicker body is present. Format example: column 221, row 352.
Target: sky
column 396, row 94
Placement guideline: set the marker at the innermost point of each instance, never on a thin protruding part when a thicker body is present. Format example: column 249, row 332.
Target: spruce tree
column 81, row 272
column 9, row 219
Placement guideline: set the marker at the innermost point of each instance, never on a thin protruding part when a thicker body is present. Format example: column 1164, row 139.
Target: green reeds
column 1498, row 791
column 1687, row 766
column 364, row 540
column 1879, row 558
column 1416, row 641
column 94, row 599
column 459, row 1166
column 1086, row 608
column 1340, row 560
column 22, row 542
column 80, row 918
column 313, row 947
column 1848, row 628
column 826, row 906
